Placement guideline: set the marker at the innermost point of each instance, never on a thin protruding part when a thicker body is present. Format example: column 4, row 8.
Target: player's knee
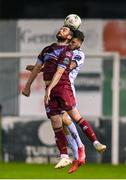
column 66, row 120
column 76, row 118
column 56, row 121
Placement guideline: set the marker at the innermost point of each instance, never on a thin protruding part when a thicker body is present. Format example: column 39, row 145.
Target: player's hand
column 26, row 91
column 47, row 96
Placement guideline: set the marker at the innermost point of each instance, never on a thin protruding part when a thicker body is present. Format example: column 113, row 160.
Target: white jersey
column 78, row 57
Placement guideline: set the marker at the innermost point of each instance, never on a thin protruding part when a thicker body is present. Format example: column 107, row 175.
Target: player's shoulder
column 78, row 51
column 79, row 54
column 50, row 46
column 53, row 44
column 45, row 49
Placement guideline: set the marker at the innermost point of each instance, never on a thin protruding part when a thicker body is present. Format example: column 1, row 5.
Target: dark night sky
column 15, row 9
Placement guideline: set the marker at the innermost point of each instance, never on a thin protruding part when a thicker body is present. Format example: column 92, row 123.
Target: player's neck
column 61, row 43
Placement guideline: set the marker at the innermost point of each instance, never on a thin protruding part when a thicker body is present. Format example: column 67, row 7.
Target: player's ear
column 69, row 37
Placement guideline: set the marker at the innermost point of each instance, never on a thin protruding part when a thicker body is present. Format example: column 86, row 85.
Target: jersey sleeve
column 40, row 59
column 65, row 59
column 78, row 57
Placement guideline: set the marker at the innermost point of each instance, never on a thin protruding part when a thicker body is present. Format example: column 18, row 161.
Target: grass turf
column 47, row 171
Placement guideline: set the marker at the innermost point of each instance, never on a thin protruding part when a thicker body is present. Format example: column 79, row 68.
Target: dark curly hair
column 78, row 34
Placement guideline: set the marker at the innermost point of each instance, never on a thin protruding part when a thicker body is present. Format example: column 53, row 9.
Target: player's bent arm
column 31, row 78
column 33, row 74
column 31, row 67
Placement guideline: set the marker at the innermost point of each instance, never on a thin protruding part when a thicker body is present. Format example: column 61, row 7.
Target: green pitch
column 38, row 171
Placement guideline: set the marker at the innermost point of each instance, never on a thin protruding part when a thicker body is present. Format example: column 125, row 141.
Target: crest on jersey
column 77, row 57
column 66, row 61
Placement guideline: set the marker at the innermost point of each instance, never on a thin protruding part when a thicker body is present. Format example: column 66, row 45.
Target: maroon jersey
column 54, row 56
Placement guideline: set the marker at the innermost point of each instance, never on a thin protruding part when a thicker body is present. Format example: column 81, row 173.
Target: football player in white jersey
column 72, row 135
column 74, row 140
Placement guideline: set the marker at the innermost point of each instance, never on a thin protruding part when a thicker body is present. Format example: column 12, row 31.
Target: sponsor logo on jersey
column 68, row 54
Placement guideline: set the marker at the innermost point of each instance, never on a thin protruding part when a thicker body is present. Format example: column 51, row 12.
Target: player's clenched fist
column 26, row 91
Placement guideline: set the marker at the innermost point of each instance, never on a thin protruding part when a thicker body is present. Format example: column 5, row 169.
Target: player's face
column 75, row 43
column 63, row 33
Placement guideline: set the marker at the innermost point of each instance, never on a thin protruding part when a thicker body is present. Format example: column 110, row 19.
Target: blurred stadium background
column 28, row 26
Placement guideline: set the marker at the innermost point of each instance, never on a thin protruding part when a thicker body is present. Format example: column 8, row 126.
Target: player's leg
column 67, row 96
column 71, row 142
column 87, row 129
column 74, row 143
column 72, row 128
column 61, row 142
column 67, row 103
column 53, row 113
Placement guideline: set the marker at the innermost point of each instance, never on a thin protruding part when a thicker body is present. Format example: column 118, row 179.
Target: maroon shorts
column 61, row 98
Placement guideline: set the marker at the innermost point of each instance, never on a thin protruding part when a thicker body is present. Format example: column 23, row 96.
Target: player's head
column 77, row 40
column 64, row 34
